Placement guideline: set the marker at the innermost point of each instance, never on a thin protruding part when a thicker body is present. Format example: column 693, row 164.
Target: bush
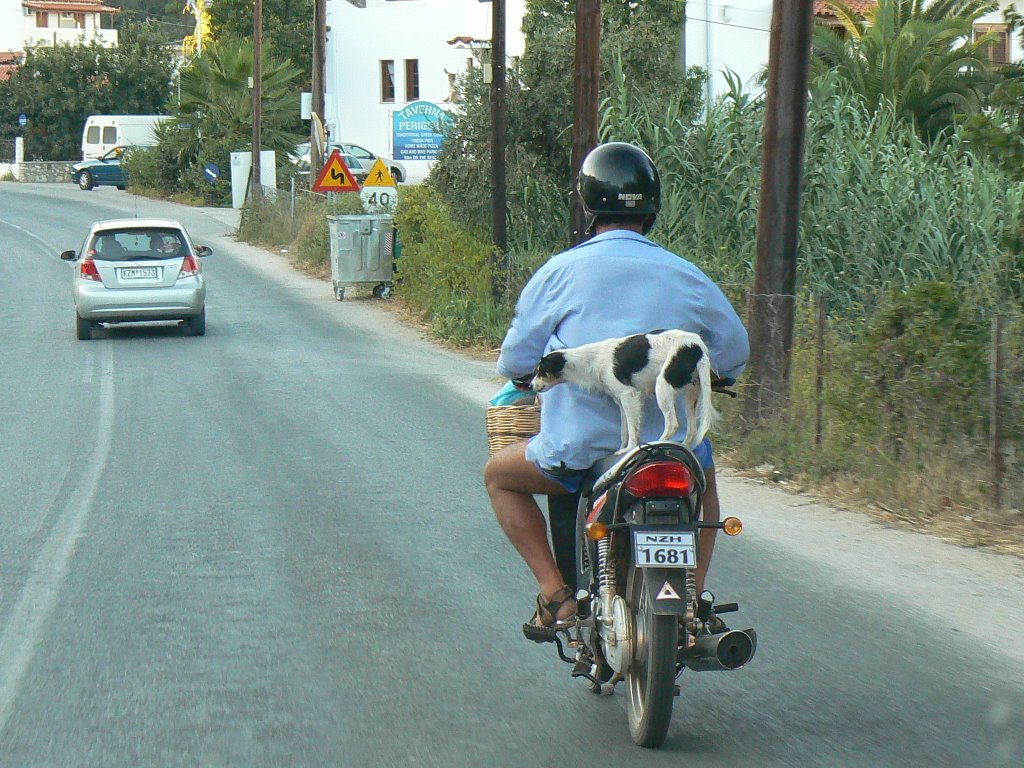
column 445, row 272
column 305, row 235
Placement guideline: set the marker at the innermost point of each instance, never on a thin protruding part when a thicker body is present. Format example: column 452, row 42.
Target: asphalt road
column 270, row 546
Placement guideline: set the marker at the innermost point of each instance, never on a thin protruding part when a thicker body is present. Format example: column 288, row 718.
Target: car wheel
column 397, row 175
column 84, row 328
column 85, row 181
column 197, row 323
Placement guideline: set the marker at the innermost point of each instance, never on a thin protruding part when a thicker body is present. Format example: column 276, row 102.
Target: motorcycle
column 631, row 536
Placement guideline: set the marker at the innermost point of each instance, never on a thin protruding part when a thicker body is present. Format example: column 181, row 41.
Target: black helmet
column 619, row 179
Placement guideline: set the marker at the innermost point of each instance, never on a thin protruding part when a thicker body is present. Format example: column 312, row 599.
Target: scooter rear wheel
column 651, row 678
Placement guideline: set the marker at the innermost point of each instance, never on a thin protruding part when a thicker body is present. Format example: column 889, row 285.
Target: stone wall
column 47, row 172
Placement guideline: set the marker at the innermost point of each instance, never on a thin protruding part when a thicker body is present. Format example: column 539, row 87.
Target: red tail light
column 89, row 271
column 189, row 267
column 660, row 478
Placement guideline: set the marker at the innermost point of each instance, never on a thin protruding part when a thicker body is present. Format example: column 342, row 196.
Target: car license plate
column 138, row 273
column 665, row 549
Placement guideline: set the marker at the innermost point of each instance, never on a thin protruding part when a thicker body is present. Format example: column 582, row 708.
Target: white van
column 104, row 132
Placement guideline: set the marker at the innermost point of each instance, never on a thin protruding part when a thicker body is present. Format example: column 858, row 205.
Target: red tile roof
column 822, row 8
column 70, row 6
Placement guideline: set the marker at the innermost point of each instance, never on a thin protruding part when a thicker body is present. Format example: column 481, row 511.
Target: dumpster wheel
column 339, row 292
column 382, row 291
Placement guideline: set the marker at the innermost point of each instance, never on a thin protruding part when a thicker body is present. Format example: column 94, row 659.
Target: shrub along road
column 271, row 546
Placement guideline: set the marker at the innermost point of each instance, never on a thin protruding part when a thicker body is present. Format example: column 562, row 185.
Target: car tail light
column 660, row 478
column 89, row 271
column 189, row 267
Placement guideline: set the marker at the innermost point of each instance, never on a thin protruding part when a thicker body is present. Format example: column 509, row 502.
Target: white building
column 1007, row 48
column 50, row 22
column 735, row 36
column 385, row 55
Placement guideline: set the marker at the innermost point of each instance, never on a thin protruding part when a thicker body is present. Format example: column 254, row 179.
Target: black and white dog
column 631, row 369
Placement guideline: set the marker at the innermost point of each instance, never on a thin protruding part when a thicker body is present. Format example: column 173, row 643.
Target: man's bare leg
column 511, row 482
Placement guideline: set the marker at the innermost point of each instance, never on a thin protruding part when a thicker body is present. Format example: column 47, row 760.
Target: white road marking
column 50, row 248
column 39, row 595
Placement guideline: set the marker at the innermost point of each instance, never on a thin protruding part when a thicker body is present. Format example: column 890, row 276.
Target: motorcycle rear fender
column 666, row 590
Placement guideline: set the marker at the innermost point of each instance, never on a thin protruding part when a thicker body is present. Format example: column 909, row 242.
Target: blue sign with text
column 418, row 131
column 22, row 120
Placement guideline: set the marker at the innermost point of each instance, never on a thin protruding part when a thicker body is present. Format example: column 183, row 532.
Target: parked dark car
column 104, row 170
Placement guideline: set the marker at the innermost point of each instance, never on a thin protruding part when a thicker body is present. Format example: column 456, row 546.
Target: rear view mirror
column 203, row 250
column 69, row 255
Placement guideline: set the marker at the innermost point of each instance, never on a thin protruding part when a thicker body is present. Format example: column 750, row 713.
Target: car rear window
column 109, row 134
column 92, row 136
column 138, row 243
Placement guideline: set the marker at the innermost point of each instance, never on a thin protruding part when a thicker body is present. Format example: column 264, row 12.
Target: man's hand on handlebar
column 721, row 384
column 522, row 383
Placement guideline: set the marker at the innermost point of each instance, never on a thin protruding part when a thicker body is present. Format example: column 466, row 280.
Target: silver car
column 132, row 270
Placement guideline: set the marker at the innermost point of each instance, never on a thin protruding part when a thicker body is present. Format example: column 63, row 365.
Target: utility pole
column 499, row 117
column 256, row 194
column 773, row 301
column 319, row 76
column 586, row 80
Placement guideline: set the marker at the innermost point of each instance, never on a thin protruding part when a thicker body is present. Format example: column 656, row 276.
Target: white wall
column 10, row 25
column 32, row 34
column 736, row 38
column 359, row 38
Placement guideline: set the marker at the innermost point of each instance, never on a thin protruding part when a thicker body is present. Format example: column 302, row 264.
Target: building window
column 412, row 79
column 42, row 19
column 68, row 20
column 387, row 81
column 996, row 50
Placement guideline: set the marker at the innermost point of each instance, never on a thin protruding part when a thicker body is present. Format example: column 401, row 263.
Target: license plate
column 138, row 273
column 665, row 549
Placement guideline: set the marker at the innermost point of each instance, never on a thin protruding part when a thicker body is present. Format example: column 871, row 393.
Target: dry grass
column 975, row 527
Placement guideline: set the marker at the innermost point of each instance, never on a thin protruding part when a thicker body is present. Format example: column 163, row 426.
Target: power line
column 727, row 24
column 146, row 17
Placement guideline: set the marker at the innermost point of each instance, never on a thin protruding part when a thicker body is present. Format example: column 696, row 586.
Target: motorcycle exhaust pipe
column 725, row 650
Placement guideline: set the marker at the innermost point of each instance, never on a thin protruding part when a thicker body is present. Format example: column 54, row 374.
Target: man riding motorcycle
column 617, row 283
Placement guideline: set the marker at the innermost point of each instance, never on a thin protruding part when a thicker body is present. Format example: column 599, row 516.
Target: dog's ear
column 551, row 365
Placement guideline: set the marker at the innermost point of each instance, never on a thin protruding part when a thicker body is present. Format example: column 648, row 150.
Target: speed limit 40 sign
column 379, row 193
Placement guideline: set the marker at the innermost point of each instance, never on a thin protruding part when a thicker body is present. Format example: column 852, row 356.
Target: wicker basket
column 507, row 424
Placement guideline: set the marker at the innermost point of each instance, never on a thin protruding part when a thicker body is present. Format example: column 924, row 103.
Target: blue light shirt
column 617, row 284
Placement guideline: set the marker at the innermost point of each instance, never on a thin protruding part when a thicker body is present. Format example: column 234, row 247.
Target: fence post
column 819, row 378
column 994, row 426
column 19, row 156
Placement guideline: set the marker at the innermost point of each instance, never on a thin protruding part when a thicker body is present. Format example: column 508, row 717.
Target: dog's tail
column 707, row 416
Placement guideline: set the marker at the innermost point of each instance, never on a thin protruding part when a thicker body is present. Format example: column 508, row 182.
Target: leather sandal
column 541, row 627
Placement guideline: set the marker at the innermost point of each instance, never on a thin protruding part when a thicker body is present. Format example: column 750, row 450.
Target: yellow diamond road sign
column 379, row 176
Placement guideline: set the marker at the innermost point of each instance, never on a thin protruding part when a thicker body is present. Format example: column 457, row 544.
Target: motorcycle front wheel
column 651, row 677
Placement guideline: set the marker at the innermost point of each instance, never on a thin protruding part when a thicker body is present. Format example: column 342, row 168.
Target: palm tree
column 919, row 59
column 217, row 101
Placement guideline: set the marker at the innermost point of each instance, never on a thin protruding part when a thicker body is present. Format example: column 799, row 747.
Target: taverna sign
column 418, row 130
